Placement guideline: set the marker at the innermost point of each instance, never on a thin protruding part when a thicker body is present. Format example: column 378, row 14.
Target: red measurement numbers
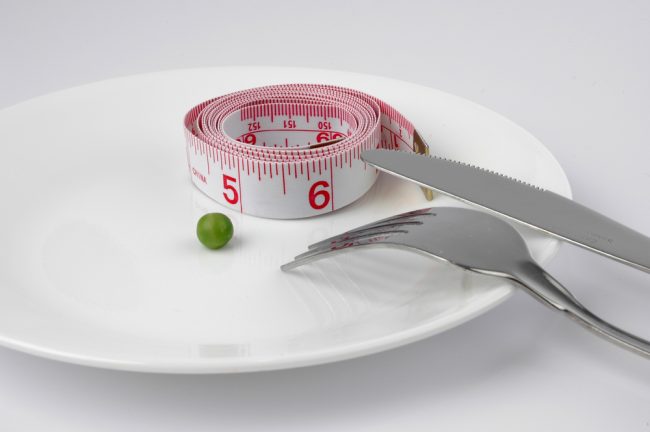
column 328, row 136
column 322, row 195
column 248, row 138
column 233, row 198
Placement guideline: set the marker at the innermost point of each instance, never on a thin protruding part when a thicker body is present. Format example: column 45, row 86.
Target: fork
column 477, row 242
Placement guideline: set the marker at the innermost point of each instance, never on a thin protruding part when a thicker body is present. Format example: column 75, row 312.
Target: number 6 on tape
column 293, row 150
column 323, row 192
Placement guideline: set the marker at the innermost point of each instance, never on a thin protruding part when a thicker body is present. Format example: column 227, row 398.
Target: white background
column 575, row 74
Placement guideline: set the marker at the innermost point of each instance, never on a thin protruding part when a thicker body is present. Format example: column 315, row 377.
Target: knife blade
column 523, row 202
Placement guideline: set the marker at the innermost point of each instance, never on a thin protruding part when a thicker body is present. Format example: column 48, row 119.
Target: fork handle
column 549, row 291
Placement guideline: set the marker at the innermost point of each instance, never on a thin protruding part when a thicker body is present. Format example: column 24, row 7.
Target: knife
column 525, row 203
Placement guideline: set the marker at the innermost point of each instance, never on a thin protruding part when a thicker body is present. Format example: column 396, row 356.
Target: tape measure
column 293, row 150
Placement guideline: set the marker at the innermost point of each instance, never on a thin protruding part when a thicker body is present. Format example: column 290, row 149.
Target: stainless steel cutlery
column 475, row 241
column 530, row 205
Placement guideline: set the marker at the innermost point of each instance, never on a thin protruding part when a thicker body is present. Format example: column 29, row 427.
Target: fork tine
column 368, row 238
column 351, row 236
column 315, row 255
column 363, row 229
column 380, row 222
column 402, row 219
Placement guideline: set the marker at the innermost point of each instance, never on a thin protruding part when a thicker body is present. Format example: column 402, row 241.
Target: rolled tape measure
column 291, row 151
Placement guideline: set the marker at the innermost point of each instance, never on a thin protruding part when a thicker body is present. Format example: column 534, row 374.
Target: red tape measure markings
column 292, row 137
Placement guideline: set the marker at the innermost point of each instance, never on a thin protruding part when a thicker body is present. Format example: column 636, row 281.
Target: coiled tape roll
column 291, row 151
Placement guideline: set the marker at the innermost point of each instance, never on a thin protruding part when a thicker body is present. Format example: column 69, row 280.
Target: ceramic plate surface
column 100, row 265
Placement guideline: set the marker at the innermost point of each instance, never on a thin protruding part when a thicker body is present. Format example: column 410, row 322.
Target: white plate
column 99, row 264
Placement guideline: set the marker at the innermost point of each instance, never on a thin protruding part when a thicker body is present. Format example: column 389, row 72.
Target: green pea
column 214, row 230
